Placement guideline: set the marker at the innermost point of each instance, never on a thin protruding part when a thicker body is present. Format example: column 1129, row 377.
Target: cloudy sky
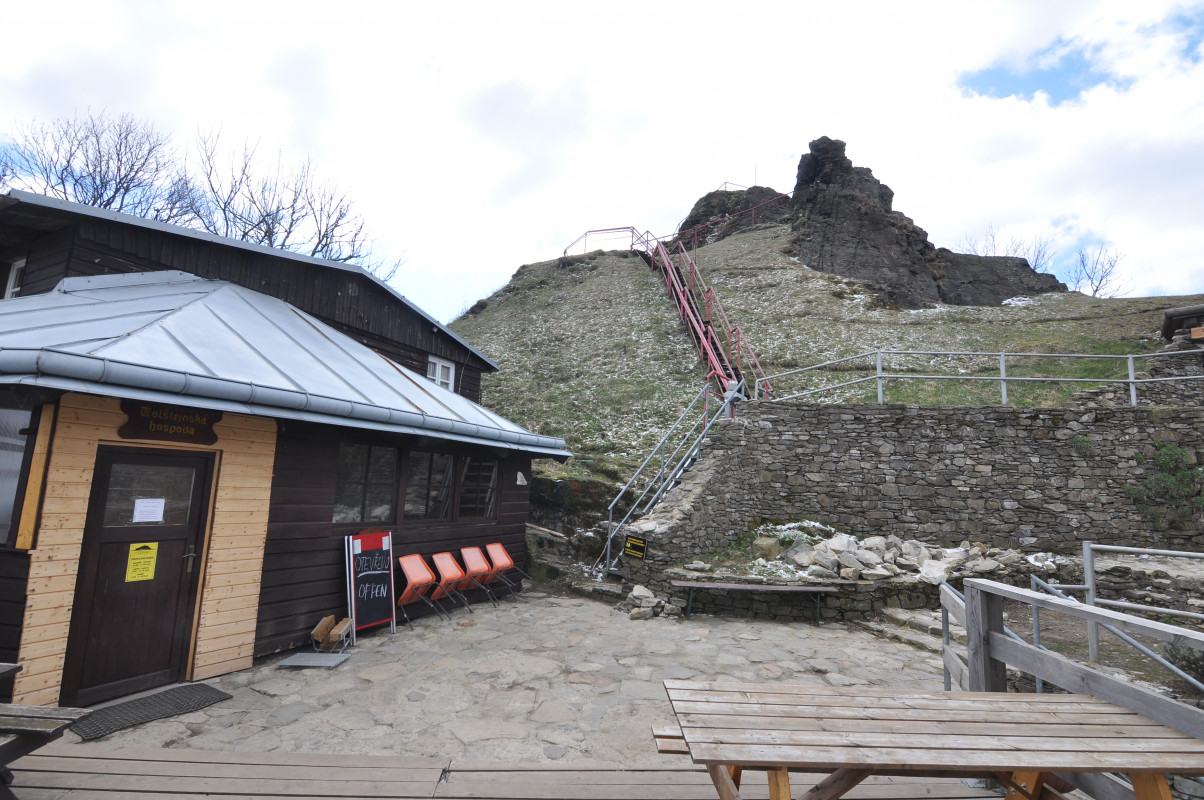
column 479, row 136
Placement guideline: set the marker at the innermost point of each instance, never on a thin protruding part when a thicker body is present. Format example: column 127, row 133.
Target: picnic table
column 854, row 732
column 24, row 729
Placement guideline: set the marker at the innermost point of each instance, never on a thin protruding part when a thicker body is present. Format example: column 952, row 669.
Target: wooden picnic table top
column 892, row 732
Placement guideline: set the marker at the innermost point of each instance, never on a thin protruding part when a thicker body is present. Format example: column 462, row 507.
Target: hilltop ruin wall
column 1029, row 479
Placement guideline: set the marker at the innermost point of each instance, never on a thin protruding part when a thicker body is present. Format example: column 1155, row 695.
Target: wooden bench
column 24, row 729
column 817, row 592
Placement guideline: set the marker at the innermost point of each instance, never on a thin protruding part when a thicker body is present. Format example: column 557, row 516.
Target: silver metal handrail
column 674, row 459
column 881, row 376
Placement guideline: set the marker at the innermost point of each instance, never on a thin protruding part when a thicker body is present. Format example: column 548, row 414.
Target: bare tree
column 125, row 164
column 1097, row 273
column 120, row 163
column 1037, row 250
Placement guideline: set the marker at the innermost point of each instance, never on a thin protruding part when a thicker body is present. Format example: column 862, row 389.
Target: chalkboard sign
column 370, row 580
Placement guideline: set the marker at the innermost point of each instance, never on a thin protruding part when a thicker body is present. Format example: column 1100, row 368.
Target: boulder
column 876, row 543
column 869, row 558
column 935, row 571
column 825, row 559
column 850, row 573
column 766, row 547
column 819, row 573
column 841, row 542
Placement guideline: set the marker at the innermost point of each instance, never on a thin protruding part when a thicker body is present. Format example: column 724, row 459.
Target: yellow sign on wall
column 141, row 566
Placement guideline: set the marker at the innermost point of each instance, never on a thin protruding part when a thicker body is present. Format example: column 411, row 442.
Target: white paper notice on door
column 148, row 509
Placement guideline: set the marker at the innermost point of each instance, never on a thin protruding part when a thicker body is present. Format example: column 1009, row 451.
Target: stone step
column 924, row 621
column 916, row 639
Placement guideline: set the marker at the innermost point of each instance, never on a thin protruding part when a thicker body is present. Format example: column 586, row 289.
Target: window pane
column 478, row 488
column 366, row 483
column 382, row 467
column 380, row 503
column 348, row 503
column 12, row 450
column 353, row 462
column 429, row 486
column 129, row 483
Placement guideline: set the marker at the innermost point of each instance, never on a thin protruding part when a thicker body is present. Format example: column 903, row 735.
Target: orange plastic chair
column 419, row 581
column 503, row 563
column 476, row 571
column 450, row 577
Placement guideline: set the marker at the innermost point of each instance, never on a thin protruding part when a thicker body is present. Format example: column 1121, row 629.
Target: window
column 478, row 488
column 366, row 490
column 441, row 373
column 428, row 485
column 13, row 426
column 16, row 271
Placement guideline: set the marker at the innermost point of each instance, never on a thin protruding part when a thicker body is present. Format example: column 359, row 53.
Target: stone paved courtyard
column 549, row 678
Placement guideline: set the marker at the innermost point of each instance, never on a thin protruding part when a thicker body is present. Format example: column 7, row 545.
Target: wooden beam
column 837, row 784
column 1126, row 622
column 984, row 616
column 35, row 480
column 723, row 782
column 1077, row 678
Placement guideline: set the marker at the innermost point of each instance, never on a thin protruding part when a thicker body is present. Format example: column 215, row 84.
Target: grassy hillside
column 591, row 348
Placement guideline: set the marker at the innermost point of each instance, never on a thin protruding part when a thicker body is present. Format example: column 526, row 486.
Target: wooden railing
column 989, row 652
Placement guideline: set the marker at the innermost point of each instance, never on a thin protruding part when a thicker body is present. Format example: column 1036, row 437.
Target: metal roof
column 69, row 207
column 173, row 337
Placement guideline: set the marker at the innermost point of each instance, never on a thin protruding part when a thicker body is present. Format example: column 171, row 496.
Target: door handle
column 189, row 556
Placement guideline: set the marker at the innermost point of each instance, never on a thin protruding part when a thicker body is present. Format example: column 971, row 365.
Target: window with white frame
column 16, row 272
column 442, row 373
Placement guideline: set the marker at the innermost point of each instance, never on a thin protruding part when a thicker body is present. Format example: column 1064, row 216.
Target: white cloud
column 478, row 136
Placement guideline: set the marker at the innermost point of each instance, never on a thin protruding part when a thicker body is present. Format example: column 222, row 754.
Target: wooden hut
column 181, row 459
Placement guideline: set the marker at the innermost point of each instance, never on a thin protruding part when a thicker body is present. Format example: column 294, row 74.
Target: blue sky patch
column 1064, row 79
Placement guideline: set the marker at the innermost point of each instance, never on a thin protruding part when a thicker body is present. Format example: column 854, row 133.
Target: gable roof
column 56, row 207
column 173, row 337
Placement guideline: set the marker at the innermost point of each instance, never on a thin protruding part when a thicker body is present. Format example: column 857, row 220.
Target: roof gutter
column 94, row 371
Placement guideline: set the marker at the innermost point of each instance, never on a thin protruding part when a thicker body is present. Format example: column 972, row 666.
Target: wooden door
column 131, row 624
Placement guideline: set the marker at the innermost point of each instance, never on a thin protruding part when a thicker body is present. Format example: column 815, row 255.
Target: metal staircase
column 728, row 357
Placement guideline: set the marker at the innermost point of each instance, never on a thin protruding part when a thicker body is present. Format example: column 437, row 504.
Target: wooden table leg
column 779, row 784
column 1025, row 784
column 722, row 778
column 1150, row 786
column 736, row 771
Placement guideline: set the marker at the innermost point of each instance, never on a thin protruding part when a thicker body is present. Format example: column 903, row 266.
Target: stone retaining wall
column 1029, row 479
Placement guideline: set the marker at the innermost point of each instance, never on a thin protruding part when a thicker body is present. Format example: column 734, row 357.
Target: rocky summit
column 844, row 224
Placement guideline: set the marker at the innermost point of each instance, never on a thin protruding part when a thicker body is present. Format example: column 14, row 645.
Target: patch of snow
column 1019, row 302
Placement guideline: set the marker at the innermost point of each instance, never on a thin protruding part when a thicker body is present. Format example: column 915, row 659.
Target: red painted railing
column 721, row 346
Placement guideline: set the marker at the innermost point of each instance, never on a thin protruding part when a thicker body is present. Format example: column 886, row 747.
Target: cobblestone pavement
column 548, row 678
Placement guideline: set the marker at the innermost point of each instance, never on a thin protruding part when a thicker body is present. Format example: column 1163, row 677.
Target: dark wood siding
column 14, row 577
column 303, row 572
column 46, row 262
column 345, row 299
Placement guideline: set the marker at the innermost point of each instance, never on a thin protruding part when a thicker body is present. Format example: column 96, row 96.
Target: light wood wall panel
column 233, row 565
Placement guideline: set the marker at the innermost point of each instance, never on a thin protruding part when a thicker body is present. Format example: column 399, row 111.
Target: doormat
column 327, row 660
column 168, row 703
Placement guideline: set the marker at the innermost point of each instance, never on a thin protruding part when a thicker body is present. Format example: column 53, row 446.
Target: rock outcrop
column 844, row 225
column 721, row 213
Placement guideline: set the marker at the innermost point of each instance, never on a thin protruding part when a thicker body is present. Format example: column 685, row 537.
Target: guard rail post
column 1132, row 383
column 1089, row 579
column 878, row 362
column 1003, row 377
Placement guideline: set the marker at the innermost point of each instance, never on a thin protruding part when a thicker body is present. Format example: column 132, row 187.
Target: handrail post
column 1132, row 383
column 984, row 616
column 1089, row 580
column 1003, row 377
column 1032, row 585
column 878, row 362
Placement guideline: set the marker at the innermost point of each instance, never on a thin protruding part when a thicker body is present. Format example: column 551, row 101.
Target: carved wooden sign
column 166, row 423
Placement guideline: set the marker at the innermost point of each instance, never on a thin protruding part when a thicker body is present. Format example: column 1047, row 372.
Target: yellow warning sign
column 141, row 566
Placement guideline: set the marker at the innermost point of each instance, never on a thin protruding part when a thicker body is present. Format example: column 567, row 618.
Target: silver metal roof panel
column 215, row 344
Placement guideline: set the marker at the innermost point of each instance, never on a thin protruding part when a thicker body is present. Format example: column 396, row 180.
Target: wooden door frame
column 73, row 671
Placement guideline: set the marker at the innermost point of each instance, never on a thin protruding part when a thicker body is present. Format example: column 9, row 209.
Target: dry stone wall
column 1028, row 479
